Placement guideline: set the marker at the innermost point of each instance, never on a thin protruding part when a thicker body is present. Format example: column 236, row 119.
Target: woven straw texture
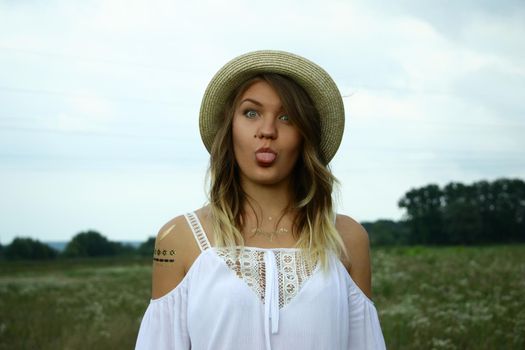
column 315, row 80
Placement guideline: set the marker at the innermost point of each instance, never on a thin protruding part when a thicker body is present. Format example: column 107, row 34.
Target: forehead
column 262, row 92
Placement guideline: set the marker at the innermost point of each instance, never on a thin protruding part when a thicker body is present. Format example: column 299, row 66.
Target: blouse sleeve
column 164, row 324
column 365, row 330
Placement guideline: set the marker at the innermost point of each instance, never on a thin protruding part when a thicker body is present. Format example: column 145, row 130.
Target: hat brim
column 315, row 81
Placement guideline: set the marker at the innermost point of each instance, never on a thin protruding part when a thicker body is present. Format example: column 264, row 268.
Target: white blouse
column 255, row 298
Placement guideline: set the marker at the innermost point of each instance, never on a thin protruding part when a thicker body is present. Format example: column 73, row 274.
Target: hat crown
column 311, row 77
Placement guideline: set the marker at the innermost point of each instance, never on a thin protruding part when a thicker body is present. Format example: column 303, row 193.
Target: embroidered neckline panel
column 293, row 270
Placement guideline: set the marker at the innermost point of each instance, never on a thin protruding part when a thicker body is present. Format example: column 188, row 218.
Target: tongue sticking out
column 265, row 157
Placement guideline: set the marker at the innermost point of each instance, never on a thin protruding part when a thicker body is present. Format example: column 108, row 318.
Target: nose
column 267, row 129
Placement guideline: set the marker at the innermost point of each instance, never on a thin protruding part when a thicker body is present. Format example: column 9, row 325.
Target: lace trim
column 248, row 264
column 198, row 231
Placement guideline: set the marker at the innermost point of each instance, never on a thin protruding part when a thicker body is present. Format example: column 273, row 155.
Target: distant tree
column 462, row 218
column 1, row 251
column 28, row 249
column 509, row 207
column 424, row 214
column 146, row 248
column 463, row 223
column 90, row 244
column 485, row 197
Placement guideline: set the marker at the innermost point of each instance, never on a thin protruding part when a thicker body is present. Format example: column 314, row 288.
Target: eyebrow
column 252, row 101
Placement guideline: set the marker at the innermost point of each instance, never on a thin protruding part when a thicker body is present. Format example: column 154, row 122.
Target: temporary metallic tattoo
column 165, row 233
column 269, row 234
column 163, row 255
column 164, row 260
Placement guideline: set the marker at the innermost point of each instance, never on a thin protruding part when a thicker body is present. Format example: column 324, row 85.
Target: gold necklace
column 269, row 234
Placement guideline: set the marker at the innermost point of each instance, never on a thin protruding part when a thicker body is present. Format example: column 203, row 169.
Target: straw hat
column 314, row 80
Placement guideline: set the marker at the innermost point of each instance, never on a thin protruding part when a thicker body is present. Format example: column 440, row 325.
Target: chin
column 268, row 182
column 265, row 179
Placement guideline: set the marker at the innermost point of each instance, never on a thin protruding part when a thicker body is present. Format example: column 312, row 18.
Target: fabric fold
column 164, row 325
column 365, row 330
column 271, row 298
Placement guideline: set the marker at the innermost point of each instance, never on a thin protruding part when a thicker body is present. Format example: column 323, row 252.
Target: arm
column 164, row 325
column 175, row 249
column 364, row 327
column 357, row 244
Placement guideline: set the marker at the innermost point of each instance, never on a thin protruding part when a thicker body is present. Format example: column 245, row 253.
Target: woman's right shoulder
column 175, row 251
column 177, row 230
column 174, row 232
column 177, row 236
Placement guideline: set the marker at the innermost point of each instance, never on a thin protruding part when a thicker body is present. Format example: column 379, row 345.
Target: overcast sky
column 99, row 102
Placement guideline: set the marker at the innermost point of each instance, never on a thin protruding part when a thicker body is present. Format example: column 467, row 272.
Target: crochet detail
column 248, row 264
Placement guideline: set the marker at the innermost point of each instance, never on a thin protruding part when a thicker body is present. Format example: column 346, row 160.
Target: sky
column 99, row 102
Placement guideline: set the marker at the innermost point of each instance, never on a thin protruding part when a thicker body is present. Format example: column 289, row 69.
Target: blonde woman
column 267, row 264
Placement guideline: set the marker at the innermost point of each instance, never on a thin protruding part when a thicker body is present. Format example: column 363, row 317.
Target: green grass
column 86, row 304
column 451, row 297
column 427, row 298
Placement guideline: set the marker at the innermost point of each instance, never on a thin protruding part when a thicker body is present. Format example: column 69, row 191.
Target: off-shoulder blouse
column 256, row 298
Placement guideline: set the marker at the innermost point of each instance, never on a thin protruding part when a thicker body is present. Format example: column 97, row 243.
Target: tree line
column 86, row 244
column 481, row 213
column 457, row 214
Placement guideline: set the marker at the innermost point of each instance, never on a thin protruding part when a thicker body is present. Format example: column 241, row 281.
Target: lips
column 265, row 156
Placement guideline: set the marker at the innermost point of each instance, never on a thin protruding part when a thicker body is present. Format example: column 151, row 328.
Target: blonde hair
column 313, row 181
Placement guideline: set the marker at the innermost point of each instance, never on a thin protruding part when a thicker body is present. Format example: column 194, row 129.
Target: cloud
column 496, row 89
column 114, row 87
column 451, row 17
column 86, row 113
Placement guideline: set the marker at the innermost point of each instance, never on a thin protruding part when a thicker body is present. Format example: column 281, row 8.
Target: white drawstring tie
column 271, row 298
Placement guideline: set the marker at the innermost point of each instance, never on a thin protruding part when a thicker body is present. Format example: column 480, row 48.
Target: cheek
column 296, row 143
column 294, row 149
column 241, row 139
column 236, row 134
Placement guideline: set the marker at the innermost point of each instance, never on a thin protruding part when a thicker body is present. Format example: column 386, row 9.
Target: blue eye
column 285, row 118
column 250, row 113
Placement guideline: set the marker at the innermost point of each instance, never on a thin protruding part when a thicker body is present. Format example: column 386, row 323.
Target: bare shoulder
column 352, row 232
column 175, row 251
column 357, row 244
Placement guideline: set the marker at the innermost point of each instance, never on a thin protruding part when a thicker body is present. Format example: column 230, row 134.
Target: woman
column 267, row 264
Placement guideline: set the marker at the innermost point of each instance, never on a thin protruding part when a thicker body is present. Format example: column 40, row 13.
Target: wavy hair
column 312, row 180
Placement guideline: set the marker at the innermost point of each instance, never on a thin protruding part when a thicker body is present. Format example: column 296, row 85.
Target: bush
column 90, row 244
column 28, row 249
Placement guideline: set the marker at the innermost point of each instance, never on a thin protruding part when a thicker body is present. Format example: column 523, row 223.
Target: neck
column 267, row 200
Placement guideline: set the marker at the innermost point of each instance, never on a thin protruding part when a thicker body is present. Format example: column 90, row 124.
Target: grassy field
column 451, row 298
column 428, row 298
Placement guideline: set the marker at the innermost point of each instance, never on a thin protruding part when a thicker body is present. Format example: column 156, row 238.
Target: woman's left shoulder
column 354, row 235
